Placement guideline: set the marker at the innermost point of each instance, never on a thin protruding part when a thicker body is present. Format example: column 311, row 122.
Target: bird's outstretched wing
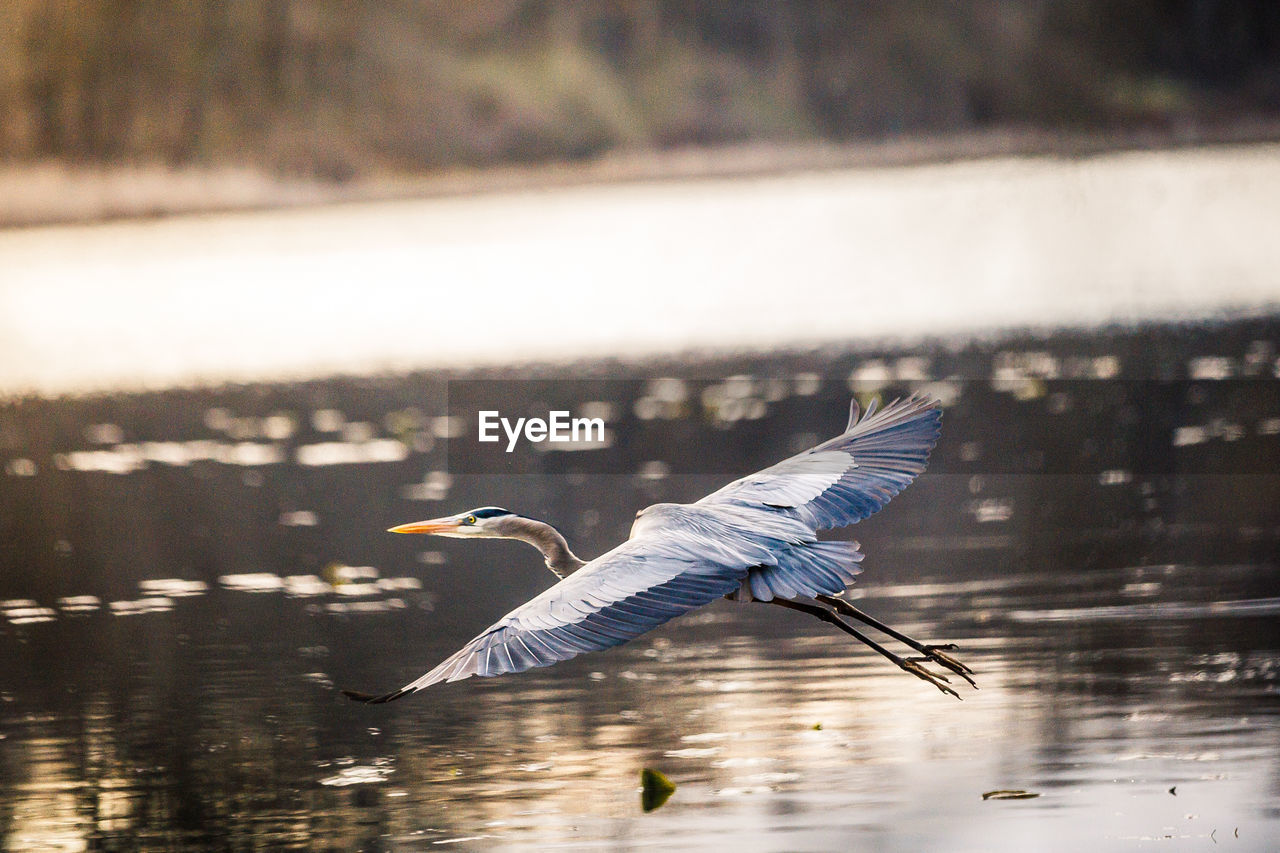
column 853, row 475
column 671, row 569
column 682, row 557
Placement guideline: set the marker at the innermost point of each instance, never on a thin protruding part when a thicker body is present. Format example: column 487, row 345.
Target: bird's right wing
column 619, row 596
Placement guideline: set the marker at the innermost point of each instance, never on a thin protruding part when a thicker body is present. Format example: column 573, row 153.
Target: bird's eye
column 471, row 519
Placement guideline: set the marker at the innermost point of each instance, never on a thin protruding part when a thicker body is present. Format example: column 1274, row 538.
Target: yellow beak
column 435, row 525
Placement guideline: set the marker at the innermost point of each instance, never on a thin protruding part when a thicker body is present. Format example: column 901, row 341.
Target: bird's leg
column 911, row 666
column 937, row 654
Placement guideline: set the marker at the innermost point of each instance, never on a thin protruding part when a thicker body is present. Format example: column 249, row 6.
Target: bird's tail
column 803, row 571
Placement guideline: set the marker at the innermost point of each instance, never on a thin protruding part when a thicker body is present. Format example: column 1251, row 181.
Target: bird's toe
column 937, row 679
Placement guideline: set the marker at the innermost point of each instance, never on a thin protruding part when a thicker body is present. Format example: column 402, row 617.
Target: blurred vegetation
column 331, row 88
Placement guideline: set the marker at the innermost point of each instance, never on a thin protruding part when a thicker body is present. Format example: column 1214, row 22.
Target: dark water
column 190, row 576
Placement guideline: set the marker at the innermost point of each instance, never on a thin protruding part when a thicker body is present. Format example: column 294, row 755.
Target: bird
column 754, row 540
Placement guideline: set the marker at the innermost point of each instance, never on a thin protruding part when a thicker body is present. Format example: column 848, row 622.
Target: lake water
column 189, row 577
column 629, row 270
column 215, row 726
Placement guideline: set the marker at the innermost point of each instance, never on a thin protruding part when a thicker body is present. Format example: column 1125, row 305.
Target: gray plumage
column 754, row 539
column 555, row 550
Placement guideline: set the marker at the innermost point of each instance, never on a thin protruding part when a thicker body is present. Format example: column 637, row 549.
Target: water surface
column 190, row 576
column 635, row 269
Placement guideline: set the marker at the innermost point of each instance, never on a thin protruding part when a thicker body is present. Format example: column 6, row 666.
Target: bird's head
column 489, row 522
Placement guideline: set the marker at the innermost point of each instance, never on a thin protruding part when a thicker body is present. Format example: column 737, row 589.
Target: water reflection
column 175, row 632
column 199, row 727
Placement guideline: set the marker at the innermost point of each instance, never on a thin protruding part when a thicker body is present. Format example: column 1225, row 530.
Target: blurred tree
column 334, row 88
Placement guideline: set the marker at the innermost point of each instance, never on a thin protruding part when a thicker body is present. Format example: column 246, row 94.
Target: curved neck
column 544, row 537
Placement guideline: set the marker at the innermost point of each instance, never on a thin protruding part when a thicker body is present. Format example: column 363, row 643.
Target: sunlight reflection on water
column 777, row 736
column 179, row 616
column 929, row 250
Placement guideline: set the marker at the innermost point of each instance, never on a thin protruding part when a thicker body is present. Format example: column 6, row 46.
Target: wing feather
column 849, row 477
column 632, row 589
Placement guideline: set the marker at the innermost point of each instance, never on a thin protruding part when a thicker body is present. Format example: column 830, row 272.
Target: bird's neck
column 544, row 537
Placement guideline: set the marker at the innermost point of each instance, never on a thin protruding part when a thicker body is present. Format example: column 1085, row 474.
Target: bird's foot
column 938, row 654
column 937, row 679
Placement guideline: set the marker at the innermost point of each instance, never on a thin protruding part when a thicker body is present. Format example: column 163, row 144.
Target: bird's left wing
column 849, row 477
column 632, row 589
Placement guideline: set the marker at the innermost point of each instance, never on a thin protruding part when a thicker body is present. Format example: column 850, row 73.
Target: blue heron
column 755, row 540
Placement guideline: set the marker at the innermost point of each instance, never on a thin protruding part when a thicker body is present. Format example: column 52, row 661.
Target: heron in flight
column 755, row 540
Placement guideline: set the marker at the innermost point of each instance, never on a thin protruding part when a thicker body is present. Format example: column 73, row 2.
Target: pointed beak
column 435, row 525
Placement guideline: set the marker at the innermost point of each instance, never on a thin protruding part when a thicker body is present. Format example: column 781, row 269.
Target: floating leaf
column 1010, row 795
column 655, row 789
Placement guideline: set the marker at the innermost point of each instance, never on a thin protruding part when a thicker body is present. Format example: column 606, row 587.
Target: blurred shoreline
column 52, row 193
